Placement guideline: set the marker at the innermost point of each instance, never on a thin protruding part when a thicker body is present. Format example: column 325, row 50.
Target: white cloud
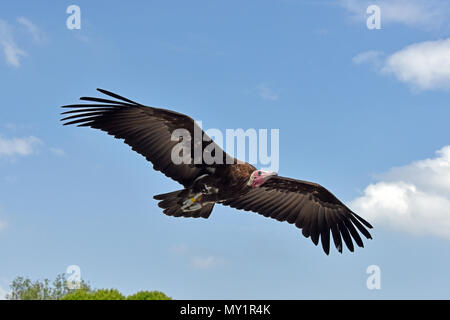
column 372, row 56
column 18, row 146
column 57, row 152
column 424, row 14
column 197, row 261
column 413, row 198
column 267, row 93
column 424, row 65
column 35, row 32
column 11, row 51
column 206, row 262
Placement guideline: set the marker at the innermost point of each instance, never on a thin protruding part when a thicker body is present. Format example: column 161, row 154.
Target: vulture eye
column 259, row 173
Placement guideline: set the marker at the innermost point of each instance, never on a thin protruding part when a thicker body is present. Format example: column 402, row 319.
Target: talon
column 191, row 204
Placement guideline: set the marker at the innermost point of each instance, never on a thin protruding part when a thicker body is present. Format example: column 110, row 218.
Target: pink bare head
column 258, row 177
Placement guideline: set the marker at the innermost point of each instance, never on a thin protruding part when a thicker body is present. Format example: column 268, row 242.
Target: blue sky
column 362, row 112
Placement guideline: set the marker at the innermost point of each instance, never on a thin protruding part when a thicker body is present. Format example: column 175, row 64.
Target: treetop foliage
column 25, row 289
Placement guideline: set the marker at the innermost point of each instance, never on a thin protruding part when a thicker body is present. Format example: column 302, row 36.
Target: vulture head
column 258, row 177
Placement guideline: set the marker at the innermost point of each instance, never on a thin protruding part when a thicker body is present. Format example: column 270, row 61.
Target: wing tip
column 362, row 220
column 116, row 96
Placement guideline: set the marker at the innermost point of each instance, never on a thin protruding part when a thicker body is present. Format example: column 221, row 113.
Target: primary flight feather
column 230, row 182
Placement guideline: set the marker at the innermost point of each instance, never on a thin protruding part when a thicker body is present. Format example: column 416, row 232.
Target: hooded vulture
column 230, row 182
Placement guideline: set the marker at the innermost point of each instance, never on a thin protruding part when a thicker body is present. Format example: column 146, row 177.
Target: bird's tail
column 173, row 202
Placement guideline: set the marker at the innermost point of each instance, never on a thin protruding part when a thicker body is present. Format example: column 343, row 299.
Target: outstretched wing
column 310, row 207
column 148, row 131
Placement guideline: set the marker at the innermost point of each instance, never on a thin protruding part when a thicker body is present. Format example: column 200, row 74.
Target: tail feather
column 171, row 203
column 168, row 195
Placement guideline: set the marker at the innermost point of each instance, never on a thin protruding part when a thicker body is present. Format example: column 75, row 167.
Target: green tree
column 101, row 294
column 79, row 294
column 149, row 295
column 25, row 289
column 108, row 294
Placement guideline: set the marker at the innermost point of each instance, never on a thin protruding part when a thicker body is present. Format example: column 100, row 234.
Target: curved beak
column 267, row 174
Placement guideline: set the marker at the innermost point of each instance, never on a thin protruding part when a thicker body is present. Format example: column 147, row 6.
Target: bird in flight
column 228, row 181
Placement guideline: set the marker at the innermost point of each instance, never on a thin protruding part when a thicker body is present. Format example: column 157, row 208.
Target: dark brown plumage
column 309, row 206
column 148, row 131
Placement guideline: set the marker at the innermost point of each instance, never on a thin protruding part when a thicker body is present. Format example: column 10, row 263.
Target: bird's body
column 228, row 181
column 222, row 184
